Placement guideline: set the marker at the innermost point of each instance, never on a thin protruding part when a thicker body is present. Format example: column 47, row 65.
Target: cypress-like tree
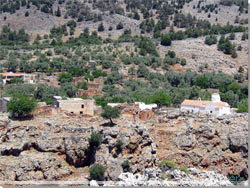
column 58, row 12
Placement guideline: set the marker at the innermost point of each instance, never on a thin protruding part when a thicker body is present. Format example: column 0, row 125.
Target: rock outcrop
column 54, row 151
column 204, row 141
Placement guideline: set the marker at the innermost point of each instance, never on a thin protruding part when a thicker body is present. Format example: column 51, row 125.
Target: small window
column 211, row 112
column 72, row 112
column 81, row 112
column 82, row 105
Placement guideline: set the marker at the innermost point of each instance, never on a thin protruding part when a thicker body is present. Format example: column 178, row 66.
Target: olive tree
column 21, row 106
column 110, row 112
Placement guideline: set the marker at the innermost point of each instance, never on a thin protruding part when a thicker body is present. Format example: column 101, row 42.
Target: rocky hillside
column 122, row 51
column 58, row 148
column 51, row 150
column 204, row 142
column 38, row 17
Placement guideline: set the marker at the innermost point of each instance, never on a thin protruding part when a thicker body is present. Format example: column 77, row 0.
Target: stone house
column 215, row 106
column 76, row 105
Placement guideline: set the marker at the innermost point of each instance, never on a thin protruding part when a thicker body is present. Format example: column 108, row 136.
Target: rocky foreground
column 57, row 149
column 153, row 177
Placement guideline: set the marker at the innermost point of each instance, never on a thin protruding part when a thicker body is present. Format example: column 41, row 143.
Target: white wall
column 224, row 110
column 207, row 110
column 193, row 109
column 113, row 104
column 144, row 106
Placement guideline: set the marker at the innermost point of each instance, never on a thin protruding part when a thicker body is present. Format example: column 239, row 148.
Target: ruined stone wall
column 43, row 110
column 94, row 85
column 77, row 79
column 88, row 93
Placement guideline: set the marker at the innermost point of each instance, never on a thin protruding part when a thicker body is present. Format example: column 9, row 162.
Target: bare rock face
column 185, row 141
column 238, row 143
column 137, row 147
column 55, row 151
column 209, row 143
column 4, row 121
column 33, row 166
column 52, row 150
column 205, row 131
column 114, row 169
column 75, row 148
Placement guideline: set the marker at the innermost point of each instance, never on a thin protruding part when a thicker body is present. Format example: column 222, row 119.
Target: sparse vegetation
column 95, row 140
column 167, row 165
column 119, row 145
column 209, row 40
column 97, row 172
column 184, row 169
column 126, row 166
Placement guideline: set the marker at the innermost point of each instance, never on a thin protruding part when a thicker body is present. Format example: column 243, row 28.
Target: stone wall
column 43, row 111
column 82, row 107
column 88, row 93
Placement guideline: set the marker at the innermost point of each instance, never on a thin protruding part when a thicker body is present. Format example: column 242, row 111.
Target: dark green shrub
column 171, row 54
column 21, row 106
column 241, row 69
column 119, row 145
column 101, row 27
column 95, row 140
column 119, row 26
column 65, row 77
column 97, row 172
column 211, row 39
column 166, row 40
column 161, row 99
column 243, row 106
column 27, row 13
column 126, row 166
column 183, row 62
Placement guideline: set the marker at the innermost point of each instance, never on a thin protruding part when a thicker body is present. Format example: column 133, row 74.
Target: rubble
column 177, row 178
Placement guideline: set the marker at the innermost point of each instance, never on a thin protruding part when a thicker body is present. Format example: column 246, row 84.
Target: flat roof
column 198, row 103
column 73, row 99
column 11, row 74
